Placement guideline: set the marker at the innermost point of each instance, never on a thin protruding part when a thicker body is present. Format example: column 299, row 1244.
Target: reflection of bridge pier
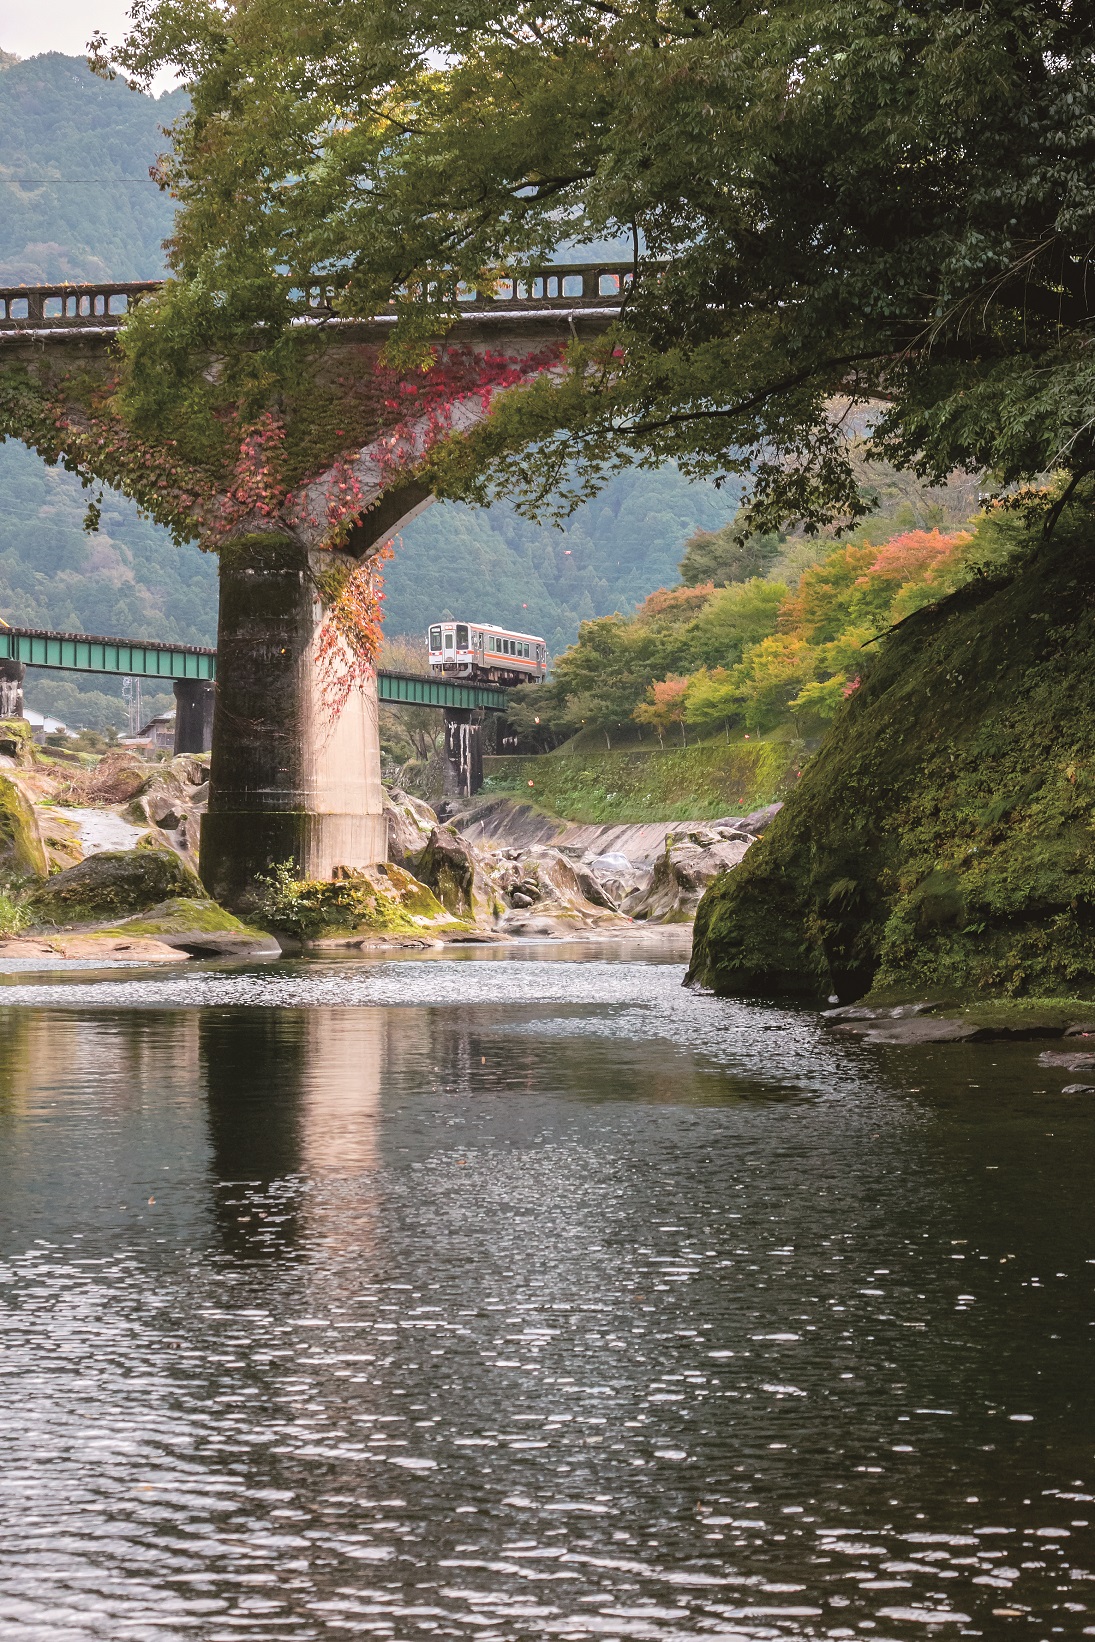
column 292, row 1094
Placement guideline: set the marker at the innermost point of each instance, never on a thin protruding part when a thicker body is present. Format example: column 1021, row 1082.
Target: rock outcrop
column 940, row 841
column 22, row 852
column 448, row 866
column 410, row 822
column 690, row 861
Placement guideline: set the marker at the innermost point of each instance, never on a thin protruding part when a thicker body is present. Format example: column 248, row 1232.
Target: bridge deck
column 593, row 288
column 129, row 658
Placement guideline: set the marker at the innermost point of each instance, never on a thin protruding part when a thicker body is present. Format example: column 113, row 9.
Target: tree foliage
column 722, row 556
column 859, row 201
column 757, row 655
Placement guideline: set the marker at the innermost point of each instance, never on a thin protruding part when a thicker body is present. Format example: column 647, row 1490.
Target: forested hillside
column 76, row 202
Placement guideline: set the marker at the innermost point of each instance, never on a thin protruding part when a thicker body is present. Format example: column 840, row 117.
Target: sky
column 62, row 25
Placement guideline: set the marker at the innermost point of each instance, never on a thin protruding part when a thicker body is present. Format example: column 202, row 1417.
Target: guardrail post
column 194, row 700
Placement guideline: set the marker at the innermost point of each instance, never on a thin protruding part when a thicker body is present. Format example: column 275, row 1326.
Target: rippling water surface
column 460, row 1297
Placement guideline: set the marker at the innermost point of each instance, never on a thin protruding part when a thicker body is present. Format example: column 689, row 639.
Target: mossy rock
column 942, row 841
column 17, row 740
column 385, row 900
column 22, row 852
column 182, row 916
column 114, row 884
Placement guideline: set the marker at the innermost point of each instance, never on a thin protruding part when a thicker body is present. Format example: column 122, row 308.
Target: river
column 531, row 1295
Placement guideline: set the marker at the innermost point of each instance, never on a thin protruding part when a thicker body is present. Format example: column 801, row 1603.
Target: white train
column 469, row 649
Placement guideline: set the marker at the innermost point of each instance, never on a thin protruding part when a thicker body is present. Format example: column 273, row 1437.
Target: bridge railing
column 34, row 307
column 104, row 307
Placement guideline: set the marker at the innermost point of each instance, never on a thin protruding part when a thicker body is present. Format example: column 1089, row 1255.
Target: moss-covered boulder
column 200, row 928
column 942, row 841
column 114, row 884
column 447, row 866
column 22, row 852
column 381, row 900
column 17, row 741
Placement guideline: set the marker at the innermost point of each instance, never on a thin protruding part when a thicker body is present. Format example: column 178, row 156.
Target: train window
column 435, row 638
column 461, row 638
column 448, row 641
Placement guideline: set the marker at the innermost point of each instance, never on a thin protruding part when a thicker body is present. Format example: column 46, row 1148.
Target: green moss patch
column 941, row 844
column 182, row 916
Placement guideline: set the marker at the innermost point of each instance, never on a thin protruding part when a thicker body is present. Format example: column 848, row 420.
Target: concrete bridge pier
column 12, row 674
column 463, row 751
column 194, row 702
column 290, row 782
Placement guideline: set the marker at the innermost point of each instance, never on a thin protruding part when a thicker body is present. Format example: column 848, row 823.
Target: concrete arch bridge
column 290, row 780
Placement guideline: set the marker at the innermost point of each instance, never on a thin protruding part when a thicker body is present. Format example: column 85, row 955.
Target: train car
column 479, row 650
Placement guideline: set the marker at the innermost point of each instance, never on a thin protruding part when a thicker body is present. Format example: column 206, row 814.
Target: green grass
column 13, row 917
column 680, row 784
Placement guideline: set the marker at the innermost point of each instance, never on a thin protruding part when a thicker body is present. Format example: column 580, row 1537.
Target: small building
column 158, row 733
column 41, row 726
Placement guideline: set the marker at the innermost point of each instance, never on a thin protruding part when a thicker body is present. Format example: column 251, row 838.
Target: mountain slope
column 76, row 200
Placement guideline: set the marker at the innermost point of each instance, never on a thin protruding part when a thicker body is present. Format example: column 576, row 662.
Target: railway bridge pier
column 291, row 779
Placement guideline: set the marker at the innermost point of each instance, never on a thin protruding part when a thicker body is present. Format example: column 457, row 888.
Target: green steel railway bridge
column 191, row 671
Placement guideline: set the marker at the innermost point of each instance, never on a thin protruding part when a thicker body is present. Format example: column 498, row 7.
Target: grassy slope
column 680, row 784
column 942, row 839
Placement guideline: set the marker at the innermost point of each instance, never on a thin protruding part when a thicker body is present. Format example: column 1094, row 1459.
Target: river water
column 495, row 1298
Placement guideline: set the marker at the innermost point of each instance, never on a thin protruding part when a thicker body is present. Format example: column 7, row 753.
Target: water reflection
column 544, row 1301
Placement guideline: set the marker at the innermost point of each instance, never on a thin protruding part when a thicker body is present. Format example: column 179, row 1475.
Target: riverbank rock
column 691, row 860
column 91, row 944
column 22, row 852
column 940, row 840
column 16, row 743
column 114, row 884
column 172, row 801
column 201, row 929
column 410, row 823
column 448, row 867
column 914, row 1030
column 377, row 902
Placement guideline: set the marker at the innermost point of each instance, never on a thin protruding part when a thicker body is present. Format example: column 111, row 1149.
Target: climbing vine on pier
column 344, row 426
column 349, row 637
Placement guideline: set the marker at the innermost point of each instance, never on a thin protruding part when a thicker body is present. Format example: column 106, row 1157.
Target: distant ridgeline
column 76, row 202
